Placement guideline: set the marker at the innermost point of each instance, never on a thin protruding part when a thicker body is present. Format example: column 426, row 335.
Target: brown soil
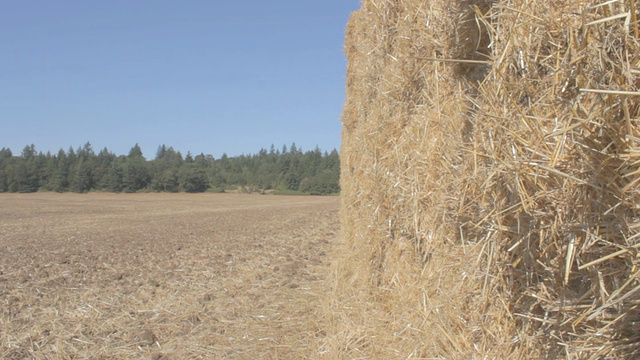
column 163, row 276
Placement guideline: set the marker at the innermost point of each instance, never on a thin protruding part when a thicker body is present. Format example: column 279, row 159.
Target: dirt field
column 163, row 276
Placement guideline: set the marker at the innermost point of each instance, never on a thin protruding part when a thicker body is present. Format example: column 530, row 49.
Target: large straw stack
column 491, row 170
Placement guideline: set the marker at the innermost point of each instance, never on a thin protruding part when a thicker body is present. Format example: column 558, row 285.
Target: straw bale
column 490, row 176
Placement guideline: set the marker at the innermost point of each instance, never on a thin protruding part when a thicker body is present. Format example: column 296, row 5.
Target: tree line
column 82, row 170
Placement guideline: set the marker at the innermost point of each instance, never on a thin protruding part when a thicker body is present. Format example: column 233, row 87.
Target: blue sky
column 205, row 76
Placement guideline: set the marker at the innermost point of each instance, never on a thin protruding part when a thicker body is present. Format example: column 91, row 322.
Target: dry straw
column 491, row 177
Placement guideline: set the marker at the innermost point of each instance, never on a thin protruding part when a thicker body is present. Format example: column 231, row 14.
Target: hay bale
column 490, row 182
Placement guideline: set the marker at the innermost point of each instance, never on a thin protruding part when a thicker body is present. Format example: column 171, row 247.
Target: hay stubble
column 162, row 276
column 490, row 181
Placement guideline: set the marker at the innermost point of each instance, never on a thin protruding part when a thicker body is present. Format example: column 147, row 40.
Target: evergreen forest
column 286, row 170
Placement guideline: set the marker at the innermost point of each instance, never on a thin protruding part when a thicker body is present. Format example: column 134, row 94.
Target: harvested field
column 163, row 276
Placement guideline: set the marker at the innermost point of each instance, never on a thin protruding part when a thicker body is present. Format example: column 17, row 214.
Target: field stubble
column 163, row 276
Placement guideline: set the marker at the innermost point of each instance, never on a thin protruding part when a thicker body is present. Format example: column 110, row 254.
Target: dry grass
column 490, row 181
column 162, row 276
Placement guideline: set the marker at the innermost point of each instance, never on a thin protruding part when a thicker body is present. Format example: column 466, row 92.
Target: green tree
column 81, row 177
column 193, row 178
column 162, row 152
column 25, row 172
column 136, row 152
column 135, row 175
column 112, row 180
column 135, row 172
column 164, row 170
column 167, row 180
column 82, row 170
column 5, row 160
column 59, row 180
column 102, row 163
column 188, row 158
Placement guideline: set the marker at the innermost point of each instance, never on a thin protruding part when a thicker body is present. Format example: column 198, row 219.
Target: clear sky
column 201, row 75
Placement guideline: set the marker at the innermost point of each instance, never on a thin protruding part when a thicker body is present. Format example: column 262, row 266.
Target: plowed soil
column 163, row 276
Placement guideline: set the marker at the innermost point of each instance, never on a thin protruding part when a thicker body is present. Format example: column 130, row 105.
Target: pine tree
column 136, row 152
column 5, row 160
column 102, row 163
column 82, row 170
column 59, row 180
column 135, row 175
column 193, row 178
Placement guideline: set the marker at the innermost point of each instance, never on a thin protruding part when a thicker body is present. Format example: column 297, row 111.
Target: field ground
column 163, row 276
